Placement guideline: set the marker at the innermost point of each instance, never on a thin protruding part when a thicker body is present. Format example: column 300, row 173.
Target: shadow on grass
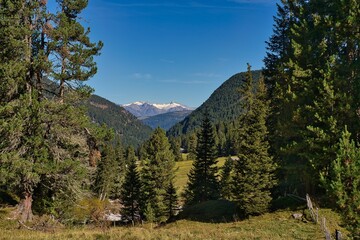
column 214, row 211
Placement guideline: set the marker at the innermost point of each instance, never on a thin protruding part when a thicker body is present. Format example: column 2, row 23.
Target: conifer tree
column 313, row 88
column 192, row 142
column 226, row 178
column 156, row 173
column 105, row 174
column 171, row 200
column 344, row 185
column 119, row 169
column 175, row 147
column 71, row 46
column 254, row 171
column 45, row 142
column 130, row 193
column 203, row 182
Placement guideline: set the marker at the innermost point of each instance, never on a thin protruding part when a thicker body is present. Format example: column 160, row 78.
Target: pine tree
column 105, row 174
column 203, row 182
column 119, row 169
column 175, row 147
column 191, row 149
column 71, row 46
column 157, row 172
column 344, row 185
column 226, row 178
column 171, row 200
column 254, row 171
column 130, row 193
column 45, row 142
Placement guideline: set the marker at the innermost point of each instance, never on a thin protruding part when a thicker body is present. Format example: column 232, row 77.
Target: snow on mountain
column 169, row 105
column 145, row 109
column 134, row 103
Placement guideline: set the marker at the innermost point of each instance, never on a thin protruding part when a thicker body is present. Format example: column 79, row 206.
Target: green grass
column 214, row 211
column 277, row 225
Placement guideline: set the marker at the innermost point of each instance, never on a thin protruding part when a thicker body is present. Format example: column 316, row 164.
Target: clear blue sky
column 175, row 50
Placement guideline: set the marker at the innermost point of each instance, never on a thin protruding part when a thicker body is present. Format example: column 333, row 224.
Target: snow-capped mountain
column 145, row 109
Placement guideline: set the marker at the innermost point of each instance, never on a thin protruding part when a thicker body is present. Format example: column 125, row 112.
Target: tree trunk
column 24, row 210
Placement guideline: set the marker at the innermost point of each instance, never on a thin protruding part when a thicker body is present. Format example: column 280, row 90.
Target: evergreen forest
column 290, row 130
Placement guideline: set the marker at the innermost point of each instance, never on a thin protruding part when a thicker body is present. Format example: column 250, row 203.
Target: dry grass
column 278, row 225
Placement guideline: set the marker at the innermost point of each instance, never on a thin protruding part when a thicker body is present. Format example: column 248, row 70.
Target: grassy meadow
column 278, row 225
column 210, row 220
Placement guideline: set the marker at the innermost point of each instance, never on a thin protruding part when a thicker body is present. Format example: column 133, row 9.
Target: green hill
column 131, row 130
column 166, row 120
column 223, row 105
column 224, row 108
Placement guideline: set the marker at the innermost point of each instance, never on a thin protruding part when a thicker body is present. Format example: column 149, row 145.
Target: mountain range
column 144, row 110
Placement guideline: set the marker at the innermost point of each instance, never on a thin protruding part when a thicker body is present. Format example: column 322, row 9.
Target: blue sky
column 175, row 50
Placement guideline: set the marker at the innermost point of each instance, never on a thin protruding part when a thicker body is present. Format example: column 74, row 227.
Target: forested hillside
column 131, row 130
column 223, row 107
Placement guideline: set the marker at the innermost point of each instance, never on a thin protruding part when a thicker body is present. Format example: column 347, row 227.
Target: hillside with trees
column 126, row 126
column 224, row 108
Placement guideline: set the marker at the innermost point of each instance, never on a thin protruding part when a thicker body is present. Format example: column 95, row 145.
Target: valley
column 271, row 152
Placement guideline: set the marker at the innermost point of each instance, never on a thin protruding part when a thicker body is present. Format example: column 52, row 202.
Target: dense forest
column 293, row 127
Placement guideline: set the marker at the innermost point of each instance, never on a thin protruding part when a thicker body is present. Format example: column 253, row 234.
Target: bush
column 90, row 210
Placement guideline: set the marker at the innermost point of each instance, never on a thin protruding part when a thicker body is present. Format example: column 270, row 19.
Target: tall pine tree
column 226, row 179
column 171, row 200
column 203, row 184
column 71, row 46
column 45, row 142
column 344, row 185
column 130, row 193
column 254, row 171
column 156, row 173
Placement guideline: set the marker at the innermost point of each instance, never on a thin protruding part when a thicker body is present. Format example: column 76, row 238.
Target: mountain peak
column 144, row 109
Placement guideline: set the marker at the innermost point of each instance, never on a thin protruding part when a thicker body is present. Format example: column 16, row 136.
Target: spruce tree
column 254, row 171
column 175, row 147
column 226, row 178
column 156, row 173
column 105, row 174
column 191, row 146
column 130, row 193
column 344, row 185
column 203, row 184
column 171, row 200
